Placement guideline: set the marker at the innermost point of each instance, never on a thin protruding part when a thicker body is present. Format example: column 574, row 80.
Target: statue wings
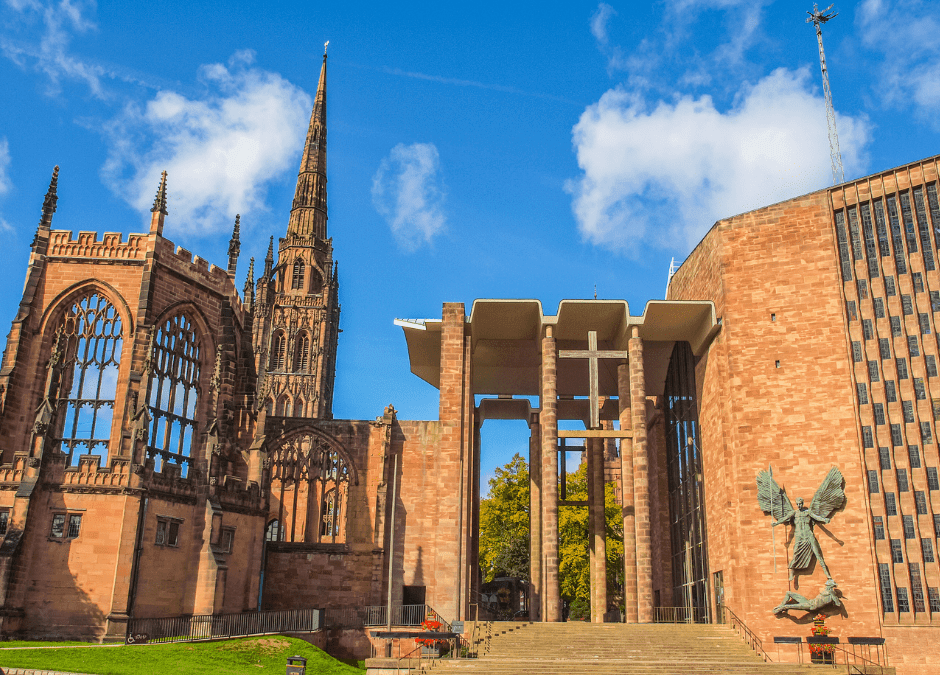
column 772, row 498
column 830, row 496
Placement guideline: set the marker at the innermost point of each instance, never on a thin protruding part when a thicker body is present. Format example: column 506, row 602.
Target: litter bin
column 296, row 665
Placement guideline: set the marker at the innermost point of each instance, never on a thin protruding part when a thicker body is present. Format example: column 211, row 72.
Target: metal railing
column 402, row 615
column 679, row 615
column 725, row 615
column 215, row 626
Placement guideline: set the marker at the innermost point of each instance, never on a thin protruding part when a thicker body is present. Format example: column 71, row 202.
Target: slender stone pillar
column 588, row 457
column 627, row 505
column 599, row 520
column 535, row 522
column 641, row 482
column 548, row 420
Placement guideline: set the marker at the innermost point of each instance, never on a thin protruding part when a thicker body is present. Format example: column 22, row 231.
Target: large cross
column 592, row 355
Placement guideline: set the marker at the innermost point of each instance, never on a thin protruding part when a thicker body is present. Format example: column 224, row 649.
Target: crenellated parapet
column 111, row 247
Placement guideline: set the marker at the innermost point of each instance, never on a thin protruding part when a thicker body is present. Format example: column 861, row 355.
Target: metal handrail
column 856, row 657
column 197, row 627
column 750, row 637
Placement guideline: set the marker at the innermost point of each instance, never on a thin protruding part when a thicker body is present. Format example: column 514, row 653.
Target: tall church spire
column 308, row 212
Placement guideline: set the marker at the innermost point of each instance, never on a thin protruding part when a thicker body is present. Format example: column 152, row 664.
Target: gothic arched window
column 174, row 391
column 283, row 406
column 273, row 531
column 312, row 460
column 302, row 353
column 278, row 352
column 299, row 407
column 297, row 283
column 329, row 522
column 91, row 343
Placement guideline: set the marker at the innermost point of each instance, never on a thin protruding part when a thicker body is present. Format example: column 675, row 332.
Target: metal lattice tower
column 818, row 18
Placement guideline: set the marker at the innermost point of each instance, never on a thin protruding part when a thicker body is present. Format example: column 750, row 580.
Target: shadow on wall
column 57, row 607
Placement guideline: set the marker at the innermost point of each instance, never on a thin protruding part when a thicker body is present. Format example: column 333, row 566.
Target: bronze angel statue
column 828, row 499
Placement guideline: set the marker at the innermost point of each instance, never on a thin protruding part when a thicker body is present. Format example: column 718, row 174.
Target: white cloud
column 907, row 34
column 599, row 22
column 220, row 151
column 408, row 192
column 663, row 175
column 5, row 184
column 50, row 50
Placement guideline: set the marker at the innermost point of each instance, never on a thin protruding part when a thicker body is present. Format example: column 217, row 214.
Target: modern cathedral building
column 169, row 447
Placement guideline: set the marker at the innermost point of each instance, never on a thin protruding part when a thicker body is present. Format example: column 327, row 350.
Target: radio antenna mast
column 817, row 18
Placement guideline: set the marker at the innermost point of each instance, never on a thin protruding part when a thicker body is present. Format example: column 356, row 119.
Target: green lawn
column 232, row 657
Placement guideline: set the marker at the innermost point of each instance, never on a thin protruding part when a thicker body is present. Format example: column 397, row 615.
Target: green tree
column 504, row 533
column 574, row 558
column 504, row 522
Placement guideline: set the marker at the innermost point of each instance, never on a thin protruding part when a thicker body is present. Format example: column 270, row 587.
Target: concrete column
column 588, row 458
column 548, row 420
column 627, row 505
column 641, row 483
column 599, row 588
column 535, row 522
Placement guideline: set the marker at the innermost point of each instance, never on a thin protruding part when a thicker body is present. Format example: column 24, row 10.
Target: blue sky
column 490, row 150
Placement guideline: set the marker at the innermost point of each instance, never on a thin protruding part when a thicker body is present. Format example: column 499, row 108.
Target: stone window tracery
column 174, row 392
column 297, row 281
column 309, row 478
column 92, row 341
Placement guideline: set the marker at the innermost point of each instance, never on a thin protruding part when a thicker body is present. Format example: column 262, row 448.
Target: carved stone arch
column 195, row 314
column 324, row 437
column 305, row 464
column 55, row 309
column 315, row 283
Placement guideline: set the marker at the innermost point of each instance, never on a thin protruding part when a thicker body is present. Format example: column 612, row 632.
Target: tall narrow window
column 879, row 305
column 871, row 246
column 912, row 345
column 884, row 348
column 853, row 232
column 867, row 329
column 872, row 481
column 843, row 247
column 920, row 392
column 878, row 524
column 278, row 352
column 897, row 552
column 891, row 391
column 273, row 531
column 884, row 575
column 297, row 281
column 174, row 391
column 890, row 287
column 923, row 228
column 903, row 484
column 302, row 353
column 884, row 457
column 329, row 526
column 91, row 334
column 917, row 587
column 926, row 547
column 900, row 261
column 862, row 389
column 913, row 453
column 891, row 504
column 902, row 368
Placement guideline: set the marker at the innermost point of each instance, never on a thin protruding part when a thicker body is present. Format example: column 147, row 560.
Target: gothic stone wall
column 774, row 277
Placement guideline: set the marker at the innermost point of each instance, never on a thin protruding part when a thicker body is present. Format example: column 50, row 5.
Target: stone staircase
column 617, row 649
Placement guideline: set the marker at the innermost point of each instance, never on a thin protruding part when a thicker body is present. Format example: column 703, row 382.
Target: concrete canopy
column 506, row 342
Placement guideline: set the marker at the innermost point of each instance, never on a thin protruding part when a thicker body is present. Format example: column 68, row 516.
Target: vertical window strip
column 879, row 412
column 868, row 330
column 891, row 392
column 879, row 306
column 924, row 320
column 909, row 527
column 900, row 261
column 884, row 348
column 907, row 407
column 920, row 502
column 933, row 594
column 891, row 504
column 912, row 347
column 853, row 232
column 883, row 245
column 884, row 457
column 926, row 548
column 871, row 247
column 926, row 434
column 903, row 485
column 873, row 482
column 913, row 454
column 868, row 440
column 843, row 247
column 873, row 371
column 933, row 481
column 917, row 587
column 934, row 211
column 862, row 390
column 884, row 576
column 878, row 525
column 909, row 227
column 903, row 603
column 890, row 287
column 897, row 552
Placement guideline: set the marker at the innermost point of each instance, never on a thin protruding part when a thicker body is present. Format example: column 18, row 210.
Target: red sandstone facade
column 168, row 446
column 827, row 356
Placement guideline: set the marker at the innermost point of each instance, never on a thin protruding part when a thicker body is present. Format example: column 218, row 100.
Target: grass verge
column 231, row 657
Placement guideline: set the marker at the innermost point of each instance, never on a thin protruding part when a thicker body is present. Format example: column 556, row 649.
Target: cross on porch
column 593, row 355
